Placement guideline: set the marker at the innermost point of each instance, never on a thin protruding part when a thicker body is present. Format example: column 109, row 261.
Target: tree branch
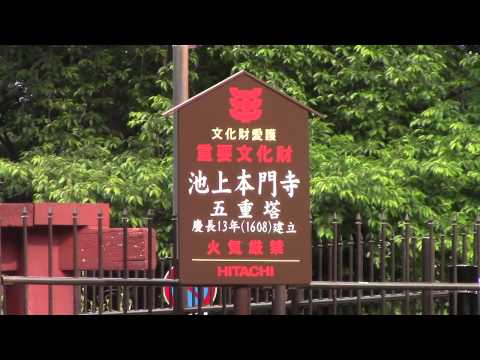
column 8, row 146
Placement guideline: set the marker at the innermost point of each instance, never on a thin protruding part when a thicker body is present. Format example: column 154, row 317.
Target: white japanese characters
column 270, row 176
column 244, row 226
column 218, row 209
column 290, row 183
column 244, row 134
column 199, row 183
column 244, row 185
column 271, row 209
column 267, row 183
column 245, row 209
column 221, row 181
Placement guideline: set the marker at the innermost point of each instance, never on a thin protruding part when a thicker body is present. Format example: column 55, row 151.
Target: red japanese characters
column 246, row 271
column 251, row 247
column 227, row 153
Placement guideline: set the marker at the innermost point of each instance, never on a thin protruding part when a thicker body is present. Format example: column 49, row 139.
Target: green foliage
column 83, row 123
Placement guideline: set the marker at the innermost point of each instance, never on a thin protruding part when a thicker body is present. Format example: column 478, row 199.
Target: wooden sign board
column 243, row 186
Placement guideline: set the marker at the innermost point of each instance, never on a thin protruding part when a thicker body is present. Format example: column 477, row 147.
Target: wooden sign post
column 243, row 186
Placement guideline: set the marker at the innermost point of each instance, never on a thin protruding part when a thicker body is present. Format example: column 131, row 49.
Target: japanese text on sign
column 243, row 187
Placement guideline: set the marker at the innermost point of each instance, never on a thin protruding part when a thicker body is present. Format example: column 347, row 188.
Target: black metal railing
column 396, row 271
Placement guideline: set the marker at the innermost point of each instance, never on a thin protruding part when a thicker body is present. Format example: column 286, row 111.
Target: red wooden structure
column 62, row 254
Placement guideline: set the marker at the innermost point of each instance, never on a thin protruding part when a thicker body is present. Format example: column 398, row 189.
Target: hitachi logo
column 246, row 271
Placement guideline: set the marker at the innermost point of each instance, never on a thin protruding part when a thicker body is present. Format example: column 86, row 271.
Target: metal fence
column 394, row 271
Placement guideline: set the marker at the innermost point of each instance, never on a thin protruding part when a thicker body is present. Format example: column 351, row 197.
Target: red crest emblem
column 245, row 105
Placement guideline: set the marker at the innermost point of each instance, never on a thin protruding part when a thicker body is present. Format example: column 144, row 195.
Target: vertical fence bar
column 310, row 290
column 144, row 292
column 431, row 264
column 310, row 301
column 25, row 258
column 76, row 271
column 229, row 295
column 94, row 293
column 296, row 308
column 180, row 293
column 279, row 300
column 224, row 300
column 199, row 300
column 87, row 295
column 358, row 223
column 172, row 264
column 2, row 292
column 110, row 292
column 320, row 265
column 382, row 259
column 160, row 274
column 371, row 274
column 442, row 301
column 135, row 291
column 442, row 255
column 212, row 299
column 340, row 262
column 425, row 275
column 334, row 264
column 330, row 267
column 50, row 250
column 86, row 289
column 119, row 290
column 242, row 300
column 393, row 266
column 414, row 257
column 194, row 299
column 477, row 240
column 223, row 294
column 393, row 275
column 350, row 264
column 429, row 273
column 158, row 297
column 151, row 294
column 366, row 269
column 413, row 268
column 464, row 246
column 406, row 263
column 220, row 296
column 126, row 289
column 300, row 295
column 100, row 260
column 393, row 270
column 455, row 260
column 475, row 253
